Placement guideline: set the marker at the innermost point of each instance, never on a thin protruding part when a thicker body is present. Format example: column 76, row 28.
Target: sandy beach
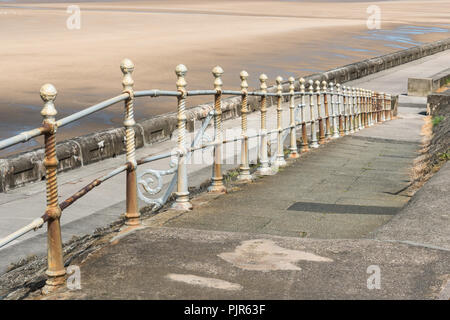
column 276, row 37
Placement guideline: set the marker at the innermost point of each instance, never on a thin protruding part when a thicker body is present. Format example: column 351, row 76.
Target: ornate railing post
column 305, row 147
column 352, row 109
column 292, row 133
column 279, row 160
column 382, row 105
column 360, row 109
column 334, row 111
column 341, row 109
column 182, row 195
column 319, row 113
column 327, row 114
column 132, row 211
column 244, row 170
column 264, row 168
column 55, row 270
column 372, row 107
column 346, row 110
column 217, row 185
column 366, row 108
column 314, row 143
column 390, row 111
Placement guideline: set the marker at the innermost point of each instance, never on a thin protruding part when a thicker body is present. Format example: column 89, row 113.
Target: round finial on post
column 217, row 73
column 324, row 86
column 291, row 84
column 263, row 78
column 302, row 84
column 317, row 83
column 279, row 80
column 180, row 71
column 127, row 68
column 244, row 76
column 311, row 86
column 331, row 84
column 48, row 94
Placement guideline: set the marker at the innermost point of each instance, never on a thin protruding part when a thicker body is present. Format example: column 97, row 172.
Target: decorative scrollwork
column 151, row 182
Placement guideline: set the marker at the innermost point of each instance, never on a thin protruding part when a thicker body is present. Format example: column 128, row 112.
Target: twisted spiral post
column 264, row 168
column 217, row 185
column 334, row 111
column 319, row 113
column 55, row 264
column 314, row 143
column 182, row 195
column 293, row 153
column 279, row 161
column 340, row 108
column 305, row 147
column 327, row 114
column 132, row 211
column 244, row 170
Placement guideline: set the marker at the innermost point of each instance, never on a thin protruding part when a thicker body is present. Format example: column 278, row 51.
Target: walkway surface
column 307, row 232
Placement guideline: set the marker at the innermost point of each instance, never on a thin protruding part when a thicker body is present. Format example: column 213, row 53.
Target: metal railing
column 336, row 110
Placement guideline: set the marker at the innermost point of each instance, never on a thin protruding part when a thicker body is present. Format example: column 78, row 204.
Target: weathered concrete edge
column 423, row 86
column 26, row 167
column 438, row 101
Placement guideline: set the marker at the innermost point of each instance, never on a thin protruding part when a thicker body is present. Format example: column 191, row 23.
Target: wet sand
column 276, row 37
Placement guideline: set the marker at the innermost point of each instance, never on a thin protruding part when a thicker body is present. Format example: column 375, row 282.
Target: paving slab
column 173, row 263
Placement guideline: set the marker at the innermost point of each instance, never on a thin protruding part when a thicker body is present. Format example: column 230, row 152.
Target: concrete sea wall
column 19, row 169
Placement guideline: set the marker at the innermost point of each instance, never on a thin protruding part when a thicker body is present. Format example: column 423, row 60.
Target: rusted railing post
column 182, row 195
column 264, row 168
column 334, row 111
column 341, row 109
column 319, row 113
column 390, row 111
column 327, row 114
column 293, row 153
column 305, row 147
column 372, row 107
column 279, row 160
column 366, row 108
column 244, row 170
column 346, row 110
column 55, row 270
column 314, row 143
column 360, row 110
column 132, row 211
column 217, row 185
column 352, row 109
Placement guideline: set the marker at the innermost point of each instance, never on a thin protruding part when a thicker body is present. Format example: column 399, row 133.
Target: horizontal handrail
column 334, row 111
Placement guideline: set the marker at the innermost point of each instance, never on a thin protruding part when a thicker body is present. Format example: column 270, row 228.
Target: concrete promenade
column 364, row 174
column 316, row 230
column 309, row 232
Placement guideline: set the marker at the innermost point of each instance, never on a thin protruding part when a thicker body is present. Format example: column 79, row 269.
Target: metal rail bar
column 90, row 110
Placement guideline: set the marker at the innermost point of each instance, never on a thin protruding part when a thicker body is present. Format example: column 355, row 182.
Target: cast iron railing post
column 327, row 114
column 305, row 147
column 132, row 211
column 341, row 108
column 244, row 170
column 217, row 185
column 55, row 264
column 182, row 195
column 264, row 168
column 319, row 113
column 293, row 151
column 279, row 161
column 314, row 143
